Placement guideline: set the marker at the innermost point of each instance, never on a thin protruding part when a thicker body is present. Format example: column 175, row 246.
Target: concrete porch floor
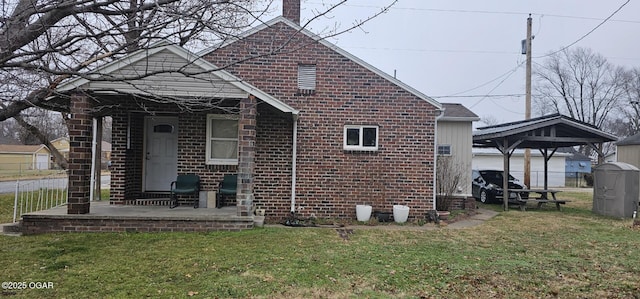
column 104, row 217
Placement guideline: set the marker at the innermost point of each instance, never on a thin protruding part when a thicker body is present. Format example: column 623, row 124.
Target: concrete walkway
column 480, row 217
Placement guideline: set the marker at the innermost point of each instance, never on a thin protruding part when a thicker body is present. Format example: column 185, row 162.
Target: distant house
column 576, row 166
column 628, row 150
column 62, row 145
column 24, row 157
column 489, row 158
column 455, row 128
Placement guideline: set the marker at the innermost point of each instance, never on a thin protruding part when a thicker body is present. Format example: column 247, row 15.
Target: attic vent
column 306, row 78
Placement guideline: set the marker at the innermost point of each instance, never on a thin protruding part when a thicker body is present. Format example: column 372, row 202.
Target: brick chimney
column 291, row 10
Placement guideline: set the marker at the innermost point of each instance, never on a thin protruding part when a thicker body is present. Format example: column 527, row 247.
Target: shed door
column 161, row 153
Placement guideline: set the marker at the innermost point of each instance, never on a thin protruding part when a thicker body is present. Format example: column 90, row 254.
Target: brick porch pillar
column 247, row 153
column 80, row 130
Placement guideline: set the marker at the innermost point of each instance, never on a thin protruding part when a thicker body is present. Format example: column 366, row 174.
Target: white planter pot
column 258, row 221
column 363, row 212
column 400, row 213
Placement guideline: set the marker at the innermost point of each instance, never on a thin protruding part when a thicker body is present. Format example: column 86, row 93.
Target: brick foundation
column 32, row 224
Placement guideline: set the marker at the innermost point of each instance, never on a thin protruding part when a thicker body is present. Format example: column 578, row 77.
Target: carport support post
column 505, row 174
column 80, row 131
column 247, row 153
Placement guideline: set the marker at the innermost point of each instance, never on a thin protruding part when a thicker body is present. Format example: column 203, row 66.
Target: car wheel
column 484, row 197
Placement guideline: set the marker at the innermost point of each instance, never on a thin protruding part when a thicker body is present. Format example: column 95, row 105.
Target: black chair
column 228, row 186
column 185, row 184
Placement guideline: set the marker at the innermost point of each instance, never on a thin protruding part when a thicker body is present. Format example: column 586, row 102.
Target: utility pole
column 527, row 113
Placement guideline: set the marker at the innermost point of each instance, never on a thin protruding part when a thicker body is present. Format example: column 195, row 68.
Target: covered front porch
column 184, row 117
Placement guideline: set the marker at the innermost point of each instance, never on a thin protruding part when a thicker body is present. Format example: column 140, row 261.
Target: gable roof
column 331, row 46
column 550, row 131
column 631, row 140
column 169, row 70
column 20, row 149
column 457, row 112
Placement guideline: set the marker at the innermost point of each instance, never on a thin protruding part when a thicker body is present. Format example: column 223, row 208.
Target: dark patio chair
column 185, row 184
column 227, row 186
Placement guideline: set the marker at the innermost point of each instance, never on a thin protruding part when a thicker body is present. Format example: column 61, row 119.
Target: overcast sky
column 468, row 51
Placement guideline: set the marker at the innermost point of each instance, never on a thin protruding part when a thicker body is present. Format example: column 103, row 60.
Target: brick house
column 309, row 127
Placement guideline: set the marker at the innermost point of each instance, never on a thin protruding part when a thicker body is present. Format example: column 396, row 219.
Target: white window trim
column 360, row 147
column 444, row 145
column 210, row 161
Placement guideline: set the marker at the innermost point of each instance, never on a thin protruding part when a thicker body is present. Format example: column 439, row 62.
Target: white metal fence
column 38, row 195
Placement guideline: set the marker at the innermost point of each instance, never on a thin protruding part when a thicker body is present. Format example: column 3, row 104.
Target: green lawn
column 538, row 253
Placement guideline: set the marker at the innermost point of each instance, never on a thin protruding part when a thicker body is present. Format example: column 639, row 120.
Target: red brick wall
column 274, row 141
column 127, row 166
column 32, row 225
column 332, row 181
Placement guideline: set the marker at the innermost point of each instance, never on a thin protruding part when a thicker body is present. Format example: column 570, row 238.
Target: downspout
column 93, row 160
column 294, row 155
column 435, row 157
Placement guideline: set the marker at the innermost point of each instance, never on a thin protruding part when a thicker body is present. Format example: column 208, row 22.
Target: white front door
column 161, row 152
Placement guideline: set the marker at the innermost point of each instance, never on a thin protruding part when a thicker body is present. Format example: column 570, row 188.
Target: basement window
column 361, row 138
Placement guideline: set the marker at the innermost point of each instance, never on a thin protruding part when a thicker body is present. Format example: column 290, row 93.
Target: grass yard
column 533, row 254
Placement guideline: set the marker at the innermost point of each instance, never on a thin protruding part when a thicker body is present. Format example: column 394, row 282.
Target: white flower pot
column 400, row 213
column 258, row 221
column 363, row 212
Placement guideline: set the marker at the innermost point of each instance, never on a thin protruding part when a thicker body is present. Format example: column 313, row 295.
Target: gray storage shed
column 615, row 189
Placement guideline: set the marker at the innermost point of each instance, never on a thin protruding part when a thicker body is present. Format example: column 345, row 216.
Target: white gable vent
column 306, row 78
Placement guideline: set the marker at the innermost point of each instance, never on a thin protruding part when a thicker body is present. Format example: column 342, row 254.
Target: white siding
column 629, row 154
column 484, row 160
column 458, row 134
column 174, row 76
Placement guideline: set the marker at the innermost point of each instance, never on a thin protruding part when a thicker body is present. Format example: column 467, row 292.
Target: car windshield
column 494, row 176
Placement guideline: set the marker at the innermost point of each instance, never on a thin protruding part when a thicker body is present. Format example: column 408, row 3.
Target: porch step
column 152, row 202
column 11, row 229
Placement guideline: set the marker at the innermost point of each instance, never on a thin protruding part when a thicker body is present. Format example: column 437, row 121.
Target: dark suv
column 486, row 185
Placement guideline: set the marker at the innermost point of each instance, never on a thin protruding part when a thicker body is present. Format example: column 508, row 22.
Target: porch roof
column 168, row 70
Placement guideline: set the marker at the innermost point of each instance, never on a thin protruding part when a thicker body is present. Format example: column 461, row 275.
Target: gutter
column 294, row 155
column 435, row 156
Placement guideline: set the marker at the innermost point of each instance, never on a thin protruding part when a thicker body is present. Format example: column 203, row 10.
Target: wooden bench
column 523, row 202
column 544, row 198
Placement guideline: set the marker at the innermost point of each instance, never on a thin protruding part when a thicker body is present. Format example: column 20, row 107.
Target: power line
column 485, row 12
column 588, row 33
column 481, row 96
column 494, row 79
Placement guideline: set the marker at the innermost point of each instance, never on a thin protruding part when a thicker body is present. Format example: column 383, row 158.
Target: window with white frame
column 222, row 139
column 361, row 138
column 444, row 150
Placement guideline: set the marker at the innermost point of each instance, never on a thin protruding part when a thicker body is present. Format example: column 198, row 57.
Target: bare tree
column 630, row 110
column 44, row 42
column 581, row 84
column 489, row 120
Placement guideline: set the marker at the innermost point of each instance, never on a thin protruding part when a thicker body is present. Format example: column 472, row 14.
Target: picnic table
column 543, row 196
